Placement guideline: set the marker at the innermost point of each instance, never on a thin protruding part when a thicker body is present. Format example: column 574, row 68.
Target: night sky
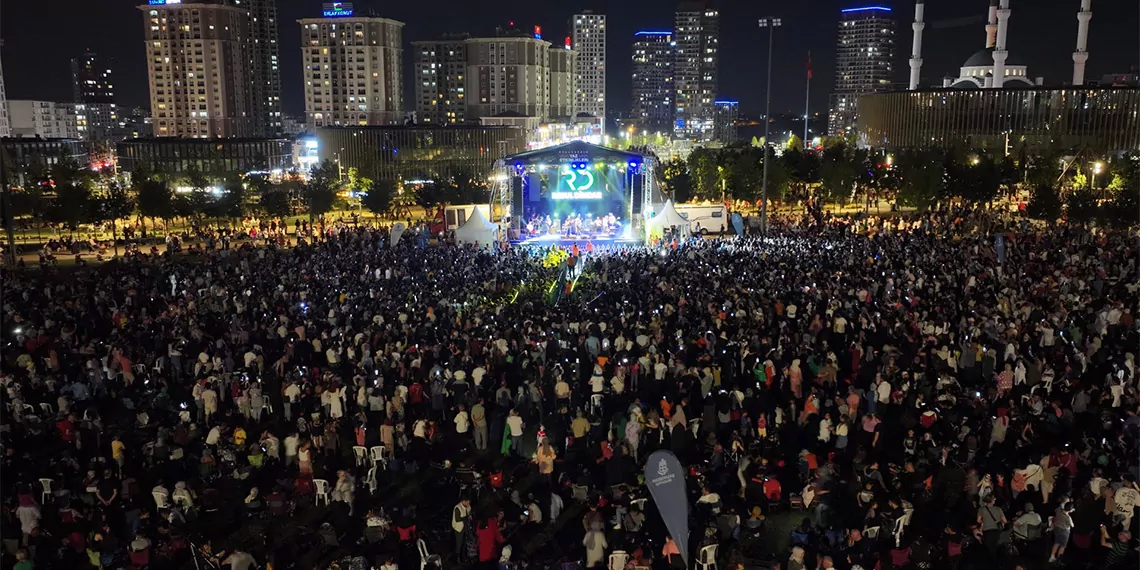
column 40, row 39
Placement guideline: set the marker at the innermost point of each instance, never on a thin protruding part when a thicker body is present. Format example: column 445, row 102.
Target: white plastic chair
column 46, row 484
column 161, row 500
column 48, row 411
column 618, row 558
column 379, row 454
column 900, row 526
column 871, row 532
column 425, row 557
column 706, row 557
column 597, row 401
column 370, row 480
column 361, row 454
column 322, row 486
column 639, row 503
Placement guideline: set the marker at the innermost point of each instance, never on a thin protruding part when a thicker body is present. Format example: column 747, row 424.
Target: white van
column 457, row 215
column 712, row 218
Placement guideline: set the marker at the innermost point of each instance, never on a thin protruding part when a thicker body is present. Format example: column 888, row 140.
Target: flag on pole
column 809, row 64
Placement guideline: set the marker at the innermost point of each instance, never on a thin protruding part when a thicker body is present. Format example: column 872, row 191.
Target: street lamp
column 771, row 24
column 1097, row 168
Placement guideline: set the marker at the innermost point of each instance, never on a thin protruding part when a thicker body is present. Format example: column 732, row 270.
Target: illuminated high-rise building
column 198, row 66
column 265, row 71
column 864, row 63
column 97, row 117
column 589, row 40
column 695, row 69
column 353, row 68
column 652, row 103
column 440, row 68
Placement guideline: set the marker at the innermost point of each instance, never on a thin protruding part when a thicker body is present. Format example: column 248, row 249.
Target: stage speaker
column 516, row 201
column 638, row 194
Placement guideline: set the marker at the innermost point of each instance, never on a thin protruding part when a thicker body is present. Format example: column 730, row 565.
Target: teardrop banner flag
column 666, row 481
column 738, row 223
column 397, row 231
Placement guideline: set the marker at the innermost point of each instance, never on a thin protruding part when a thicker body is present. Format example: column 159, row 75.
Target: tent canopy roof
column 572, row 151
column 667, row 216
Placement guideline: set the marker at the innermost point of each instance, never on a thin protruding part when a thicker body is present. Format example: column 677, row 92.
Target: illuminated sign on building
column 538, row 32
column 163, row 2
column 337, row 10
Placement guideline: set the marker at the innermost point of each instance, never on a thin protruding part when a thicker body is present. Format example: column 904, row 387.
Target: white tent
column 477, row 230
column 665, row 218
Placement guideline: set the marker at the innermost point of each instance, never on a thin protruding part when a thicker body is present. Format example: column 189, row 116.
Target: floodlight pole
column 771, row 24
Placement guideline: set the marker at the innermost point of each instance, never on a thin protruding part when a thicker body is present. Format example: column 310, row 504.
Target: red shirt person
column 489, row 540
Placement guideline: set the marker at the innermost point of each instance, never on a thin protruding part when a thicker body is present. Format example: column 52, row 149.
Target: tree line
column 841, row 173
column 68, row 195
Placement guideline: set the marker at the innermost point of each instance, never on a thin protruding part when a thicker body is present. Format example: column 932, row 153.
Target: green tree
column 802, row 168
column 779, row 180
column 744, row 176
column 1081, row 206
column 678, row 182
column 1044, row 203
column 837, row 172
column 155, row 199
column 320, row 191
column 193, row 205
column 703, row 170
column 1123, row 210
column 464, row 188
column 378, row 196
column 432, row 195
column 231, row 203
column 274, row 202
column 73, row 204
column 922, row 176
column 977, row 180
column 113, row 204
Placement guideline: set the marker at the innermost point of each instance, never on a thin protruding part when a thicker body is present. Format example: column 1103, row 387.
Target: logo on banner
column 664, row 476
column 579, row 181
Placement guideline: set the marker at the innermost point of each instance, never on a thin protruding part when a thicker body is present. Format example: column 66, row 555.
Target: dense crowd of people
column 941, row 393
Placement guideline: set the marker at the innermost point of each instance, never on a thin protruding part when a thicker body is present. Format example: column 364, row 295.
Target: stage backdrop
column 585, row 188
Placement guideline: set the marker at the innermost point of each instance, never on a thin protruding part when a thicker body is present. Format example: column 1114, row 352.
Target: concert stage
column 568, row 241
column 574, row 193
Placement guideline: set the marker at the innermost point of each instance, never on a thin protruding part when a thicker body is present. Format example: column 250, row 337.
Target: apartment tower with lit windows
column 198, row 65
column 353, row 68
column 589, row 41
column 864, row 63
column 652, row 103
column 440, row 68
column 695, row 68
column 96, row 115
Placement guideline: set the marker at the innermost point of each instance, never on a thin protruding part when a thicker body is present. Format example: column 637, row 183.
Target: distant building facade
column 217, row 157
column 589, row 40
column 353, row 70
column 96, row 115
column 440, row 80
column 420, row 152
column 42, row 119
column 652, row 80
column 864, row 62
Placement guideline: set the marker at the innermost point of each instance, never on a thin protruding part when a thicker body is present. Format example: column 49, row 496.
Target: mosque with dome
column 995, row 104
